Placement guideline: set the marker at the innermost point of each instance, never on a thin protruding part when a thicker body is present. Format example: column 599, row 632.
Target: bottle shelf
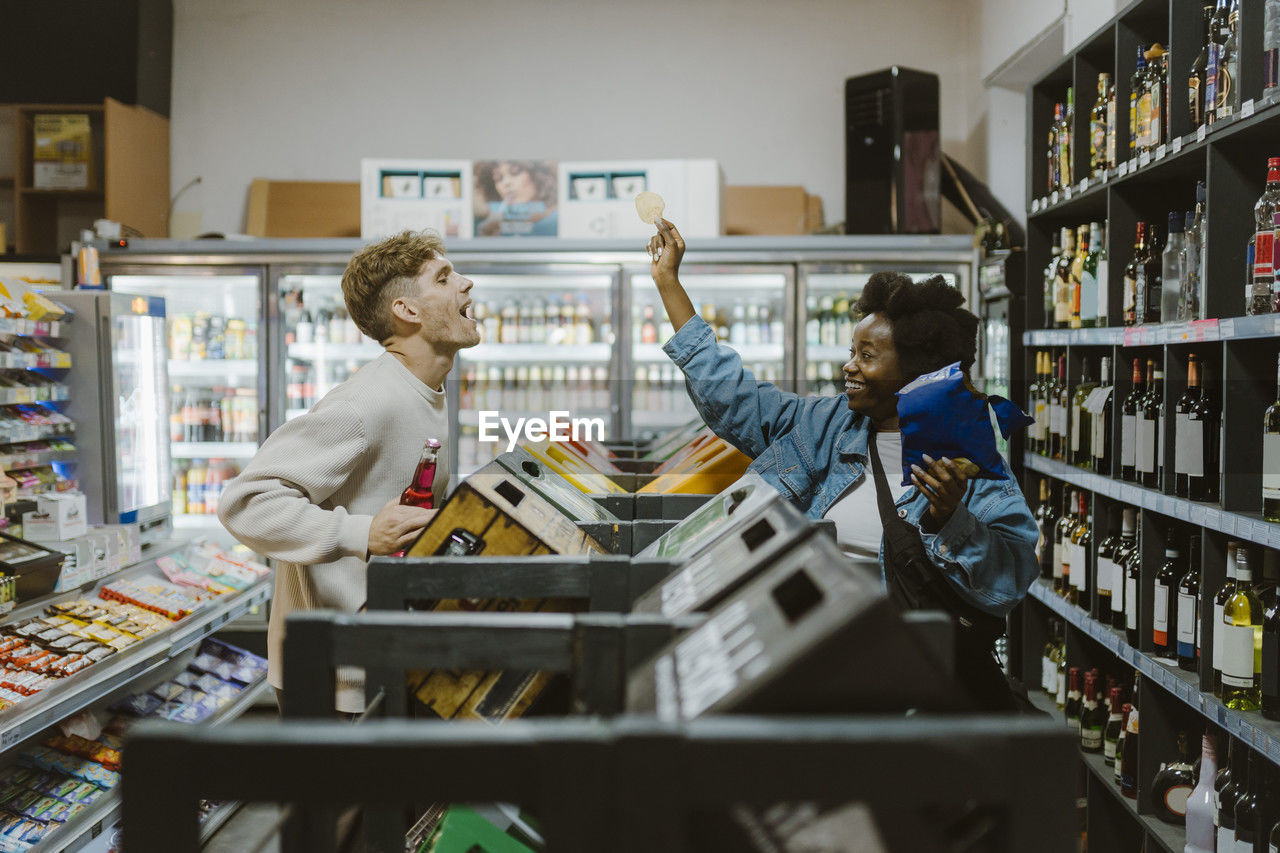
column 1197, row 331
column 537, row 354
column 1091, row 191
column 212, row 368
column 12, row 461
column 1255, row 730
column 36, row 394
column 213, row 449
column 51, row 360
column 33, row 328
column 1247, row 526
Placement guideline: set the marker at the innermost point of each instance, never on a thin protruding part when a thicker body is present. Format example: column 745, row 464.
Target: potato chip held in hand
column 650, row 206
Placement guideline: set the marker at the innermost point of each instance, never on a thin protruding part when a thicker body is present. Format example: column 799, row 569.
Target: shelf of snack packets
column 63, row 652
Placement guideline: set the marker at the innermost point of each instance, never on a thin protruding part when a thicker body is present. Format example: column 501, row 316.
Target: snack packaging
column 940, row 417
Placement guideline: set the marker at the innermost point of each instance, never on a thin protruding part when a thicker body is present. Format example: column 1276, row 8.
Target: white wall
column 302, row 89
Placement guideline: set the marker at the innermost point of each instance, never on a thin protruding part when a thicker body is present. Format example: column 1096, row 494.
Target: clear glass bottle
column 1171, row 260
column 1200, row 805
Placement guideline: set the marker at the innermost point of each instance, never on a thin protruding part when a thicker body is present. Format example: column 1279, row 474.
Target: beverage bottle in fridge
column 738, row 331
column 648, row 328
column 179, row 491
column 584, row 331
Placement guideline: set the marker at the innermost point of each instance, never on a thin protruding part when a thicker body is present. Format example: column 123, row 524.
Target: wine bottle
column 1129, row 414
column 1046, row 518
column 1231, row 793
column 1077, row 277
column 1133, row 276
column 1118, row 765
column 1203, row 441
column 1061, row 539
column 1093, row 717
column 1081, row 555
column 1220, row 597
column 1182, row 428
column 1051, row 280
column 1090, row 289
column 1060, row 660
column 1270, row 675
column 1098, row 129
column 1099, row 406
column 1150, row 441
column 1249, row 807
column 1062, row 286
column 1200, row 805
column 1129, row 752
column 1166, row 582
column 1133, row 573
column 1081, row 422
column 1172, row 786
column 1218, row 31
column 1242, row 642
column 1104, row 573
column 1220, row 783
column 1124, row 551
column 1171, row 266
column 1062, row 411
column 1074, row 706
column 1188, row 624
column 1196, row 81
column 1048, row 669
column 1271, row 460
column 1115, row 721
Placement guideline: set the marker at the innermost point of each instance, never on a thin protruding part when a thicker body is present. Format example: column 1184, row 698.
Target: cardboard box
column 57, row 517
column 396, row 195
column 597, row 198
column 771, row 210
column 304, row 208
column 62, row 151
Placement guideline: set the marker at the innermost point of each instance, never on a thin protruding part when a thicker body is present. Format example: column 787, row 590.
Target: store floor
column 245, row 830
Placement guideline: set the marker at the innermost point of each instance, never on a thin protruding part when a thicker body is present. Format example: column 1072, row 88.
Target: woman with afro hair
column 979, row 533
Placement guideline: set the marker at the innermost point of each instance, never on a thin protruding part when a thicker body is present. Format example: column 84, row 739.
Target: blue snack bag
column 939, row 416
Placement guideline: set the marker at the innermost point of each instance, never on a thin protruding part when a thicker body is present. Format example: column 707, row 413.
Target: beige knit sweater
column 309, row 495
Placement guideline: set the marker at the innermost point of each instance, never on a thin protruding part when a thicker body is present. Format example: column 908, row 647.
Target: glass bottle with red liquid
column 419, row 491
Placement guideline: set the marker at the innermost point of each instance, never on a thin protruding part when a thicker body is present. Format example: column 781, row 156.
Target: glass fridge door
column 139, row 408
column 217, row 385
column 828, row 293
column 751, row 309
column 547, row 346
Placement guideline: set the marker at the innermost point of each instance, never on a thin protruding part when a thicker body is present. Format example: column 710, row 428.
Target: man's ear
column 405, row 311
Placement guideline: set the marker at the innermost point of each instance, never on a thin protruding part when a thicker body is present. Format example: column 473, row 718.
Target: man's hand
column 395, row 527
column 943, row 483
column 666, row 248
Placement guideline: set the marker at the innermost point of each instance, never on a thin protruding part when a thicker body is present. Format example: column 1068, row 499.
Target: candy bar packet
column 941, row 418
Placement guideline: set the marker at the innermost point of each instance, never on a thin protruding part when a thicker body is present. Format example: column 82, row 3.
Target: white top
column 859, row 529
column 307, row 498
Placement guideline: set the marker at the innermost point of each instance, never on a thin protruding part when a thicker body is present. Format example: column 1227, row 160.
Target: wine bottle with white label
column 1081, row 555
column 1242, row 642
column 1132, row 579
column 1181, row 427
column 1081, row 421
column 1271, row 460
column 1104, row 561
column 1061, row 539
column 1220, row 597
column 1098, row 405
column 1124, row 551
column 1188, row 623
column 1129, row 413
column 1164, row 619
column 1150, row 444
column 1203, row 444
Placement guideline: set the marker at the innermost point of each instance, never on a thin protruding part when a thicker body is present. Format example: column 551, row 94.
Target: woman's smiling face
column 871, row 375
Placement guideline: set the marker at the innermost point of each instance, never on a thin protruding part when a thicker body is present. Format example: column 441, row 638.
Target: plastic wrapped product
column 940, row 417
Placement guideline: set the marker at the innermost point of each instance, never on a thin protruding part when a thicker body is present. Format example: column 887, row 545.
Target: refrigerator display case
column 749, row 306
column 119, row 400
column 215, row 416
column 1000, row 289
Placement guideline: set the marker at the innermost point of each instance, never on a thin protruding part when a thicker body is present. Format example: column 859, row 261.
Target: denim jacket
column 813, row 449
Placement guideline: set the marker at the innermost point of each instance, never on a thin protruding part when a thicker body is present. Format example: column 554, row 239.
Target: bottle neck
column 1193, row 374
column 1208, row 760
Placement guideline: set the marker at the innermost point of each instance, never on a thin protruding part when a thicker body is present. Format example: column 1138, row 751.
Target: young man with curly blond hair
column 320, row 496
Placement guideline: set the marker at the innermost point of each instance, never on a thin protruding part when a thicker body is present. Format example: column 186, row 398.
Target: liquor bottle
column 1093, row 717
column 1230, row 796
column 1115, row 721
column 1051, row 281
column 1203, row 442
column 1048, row 671
column 1271, row 52
column 1098, row 128
column 1172, row 786
column 1188, row 623
column 1077, row 276
column 1163, row 618
column 1155, row 93
column 1100, row 418
column 1270, row 664
column 1200, row 805
column 1132, row 274
column 1135, row 90
column 1065, row 143
column 1218, row 32
column 1228, row 89
column 1222, row 780
column 1081, row 555
column 1191, row 299
column 1123, row 553
column 1062, row 538
column 1147, row 450
column 1182, row 429
column 1171, row 266
column 1129, row 413
column 1060, row 663
column 1132, row 578
column 1264, row 214
column 1094, row 284
column 1149, row 285
column 1129, row 752
column 1249, row 807
column 1220, row 598
column 1074, row 706
column 1242, row 642
column 1125, row 710
column 1196, row 79
column 1081, row 421
column 1033, row 403
column 1063, row 287
column 1046, row 519
column 1059, row 414
column 1111, row 126
column 1104, row 573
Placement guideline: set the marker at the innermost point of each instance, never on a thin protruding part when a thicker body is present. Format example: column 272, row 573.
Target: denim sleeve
column 745, row 412
column 990, row 556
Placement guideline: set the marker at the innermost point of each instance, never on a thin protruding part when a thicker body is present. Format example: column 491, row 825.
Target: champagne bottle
column 1115, row 720
column 1074, row 706
column 1093, row 717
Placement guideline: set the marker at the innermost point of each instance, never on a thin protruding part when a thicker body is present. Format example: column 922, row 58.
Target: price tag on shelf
column 1182, row 510
column 1212, row 519
column 1176, row 145
column 1197, row 516
column 1273, row 535
column 1246, row 732
column 1161, row 150
column 1200, row 131
column 1273, row 749
column 1144, row 159
column 1123, row 170
column 1066, row 192
column 1035, row 205
column 1105, row 176
column 1227, row 328
column 1084, row 184
column 1246, row 109
column 1053, row 198
column 9, row 738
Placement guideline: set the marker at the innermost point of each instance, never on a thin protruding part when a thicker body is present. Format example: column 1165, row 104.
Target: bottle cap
column 1201, row 194
column 1176, row 221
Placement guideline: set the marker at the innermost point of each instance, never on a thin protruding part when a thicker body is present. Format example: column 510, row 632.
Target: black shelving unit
column 1239, row 352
